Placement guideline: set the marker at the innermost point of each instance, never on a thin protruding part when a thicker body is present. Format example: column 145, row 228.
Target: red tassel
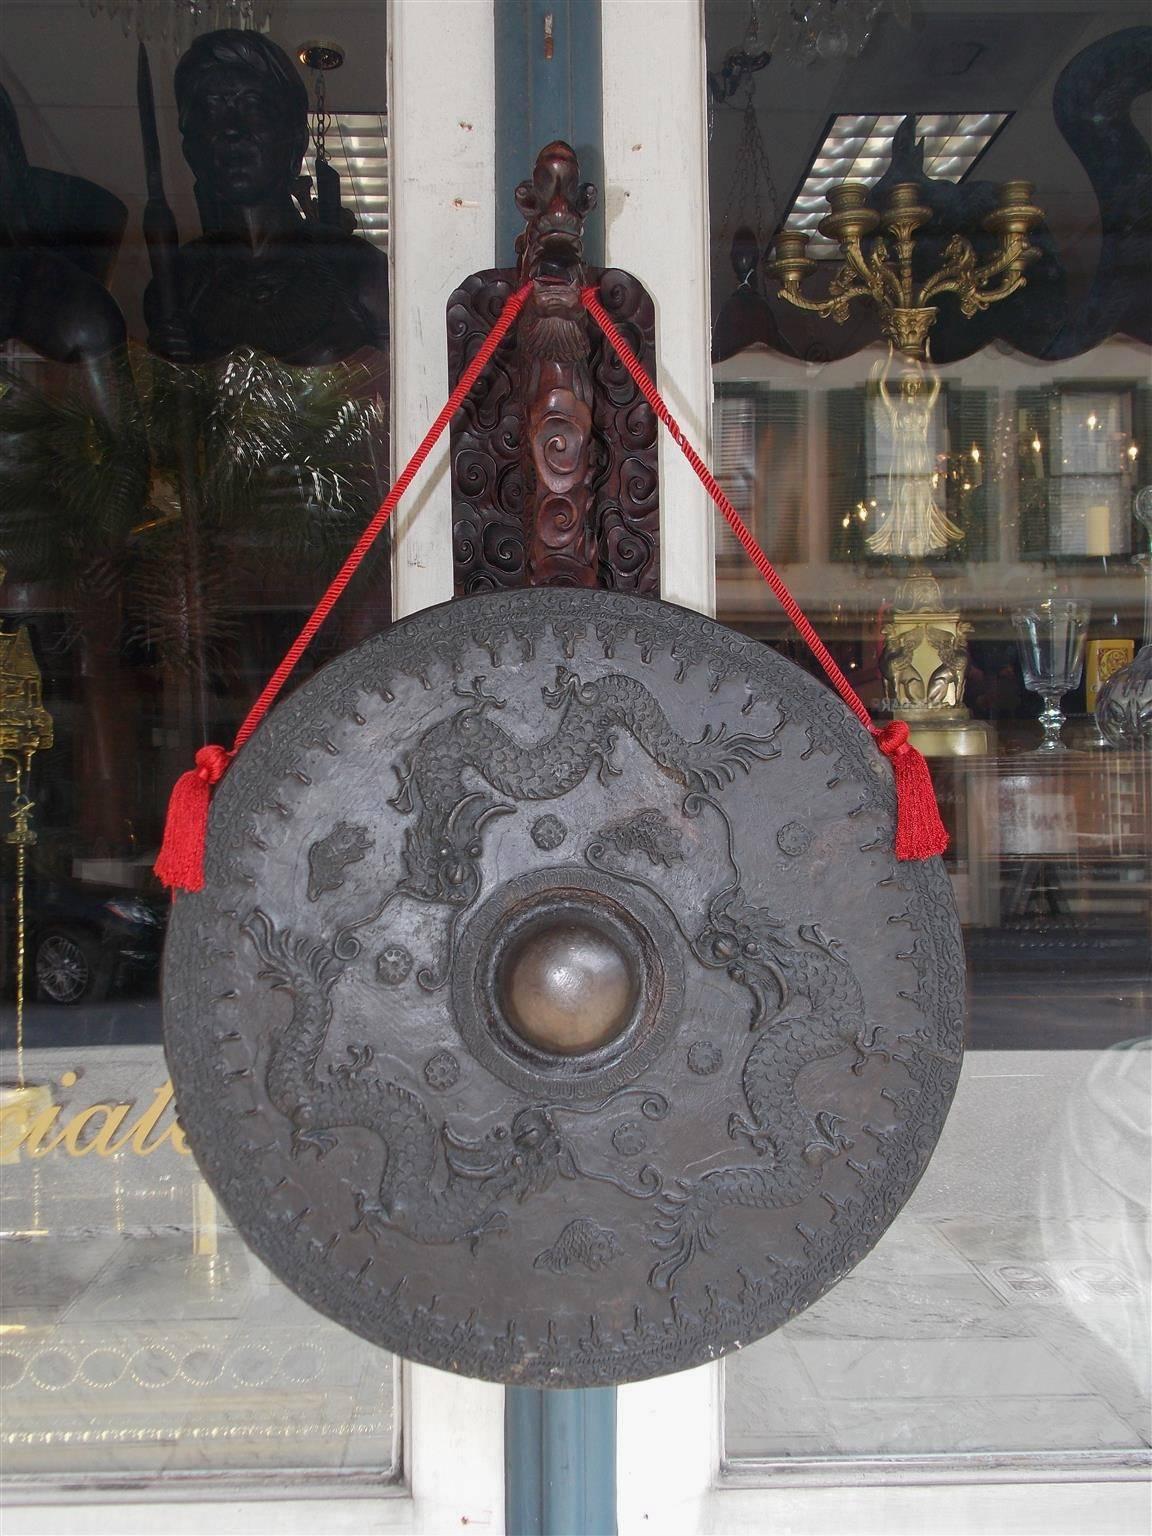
column 180, row 862
column 920, row 833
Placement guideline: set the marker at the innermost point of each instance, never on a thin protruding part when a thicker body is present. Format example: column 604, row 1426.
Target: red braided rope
column 180, row 863
column 919, row 831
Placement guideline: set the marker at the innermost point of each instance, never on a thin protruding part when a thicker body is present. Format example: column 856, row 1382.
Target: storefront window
column 965, row 530
column 193, row 427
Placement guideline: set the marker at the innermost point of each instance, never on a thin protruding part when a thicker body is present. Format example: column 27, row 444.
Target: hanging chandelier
column 800, row 32
column 179, row 21
column 822, row 31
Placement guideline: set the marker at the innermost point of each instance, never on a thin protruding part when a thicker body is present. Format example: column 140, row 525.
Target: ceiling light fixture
column 358, row 150
column 858, row 148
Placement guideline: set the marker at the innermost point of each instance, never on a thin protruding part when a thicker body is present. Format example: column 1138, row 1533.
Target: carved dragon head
column 551, row 254
column 442, row 852
column 529, row 1149
column 748, row 944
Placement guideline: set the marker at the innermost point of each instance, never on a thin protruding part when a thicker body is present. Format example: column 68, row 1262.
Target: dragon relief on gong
column 803, row 1002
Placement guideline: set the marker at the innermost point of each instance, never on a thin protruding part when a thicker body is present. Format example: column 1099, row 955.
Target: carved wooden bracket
column 554, row 467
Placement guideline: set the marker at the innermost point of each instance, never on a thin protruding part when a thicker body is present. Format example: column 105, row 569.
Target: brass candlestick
column 879, row 266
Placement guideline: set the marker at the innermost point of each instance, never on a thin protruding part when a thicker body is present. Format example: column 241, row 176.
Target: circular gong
column 555, row 1010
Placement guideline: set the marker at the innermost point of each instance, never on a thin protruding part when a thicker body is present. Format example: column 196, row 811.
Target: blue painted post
column 540, row 98
column 560, row 1447
column 560, row 1455
column 524, row 1461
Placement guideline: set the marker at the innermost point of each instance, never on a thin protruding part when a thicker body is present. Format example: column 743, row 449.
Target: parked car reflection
column 85, row 941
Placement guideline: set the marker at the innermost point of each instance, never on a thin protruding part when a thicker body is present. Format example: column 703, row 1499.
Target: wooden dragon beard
column 555, row 338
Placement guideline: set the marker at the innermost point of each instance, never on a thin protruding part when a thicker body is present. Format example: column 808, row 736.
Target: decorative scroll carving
column 554, row 466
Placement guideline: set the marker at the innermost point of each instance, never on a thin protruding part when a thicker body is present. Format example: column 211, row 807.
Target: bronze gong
column 555, row 1010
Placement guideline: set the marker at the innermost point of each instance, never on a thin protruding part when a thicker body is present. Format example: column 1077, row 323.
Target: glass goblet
column 1050, row 638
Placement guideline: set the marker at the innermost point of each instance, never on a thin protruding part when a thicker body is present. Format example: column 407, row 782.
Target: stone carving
column 648, row 832
column 61, row 235
column 629, row 1140
column 780, row 1059
column 704, row 1058
column 330, row 857
column 794, row 838
column 811, row 972
column 262, row 275
column 394, row 964
column 548, row 832
column 507, row 1164
column 444, row 846
column 583, row 1242
column 442, row 1071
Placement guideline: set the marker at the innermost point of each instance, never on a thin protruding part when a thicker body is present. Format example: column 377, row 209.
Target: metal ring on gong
column 556, row 1011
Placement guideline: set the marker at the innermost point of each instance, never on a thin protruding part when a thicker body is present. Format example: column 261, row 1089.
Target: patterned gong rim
column 555, row 1010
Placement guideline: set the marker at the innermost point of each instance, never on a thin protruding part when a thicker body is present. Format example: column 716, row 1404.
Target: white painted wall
column 443, row 214
column 656, row 226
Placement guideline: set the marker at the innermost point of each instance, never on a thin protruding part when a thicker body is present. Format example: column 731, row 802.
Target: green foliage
column 201, row 485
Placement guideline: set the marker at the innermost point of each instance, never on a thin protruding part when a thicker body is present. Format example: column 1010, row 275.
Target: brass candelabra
column 879, row 249
column 925, row 658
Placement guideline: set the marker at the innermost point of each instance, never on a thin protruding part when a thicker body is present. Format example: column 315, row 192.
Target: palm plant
column 156, row 529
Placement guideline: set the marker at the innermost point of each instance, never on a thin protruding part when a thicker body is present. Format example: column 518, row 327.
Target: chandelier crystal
column 821, row 31
column 179, row 21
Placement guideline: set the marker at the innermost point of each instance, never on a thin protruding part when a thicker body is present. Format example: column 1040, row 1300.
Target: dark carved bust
column 262, row 275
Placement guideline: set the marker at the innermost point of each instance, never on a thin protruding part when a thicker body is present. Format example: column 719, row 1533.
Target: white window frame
column 672, row 1477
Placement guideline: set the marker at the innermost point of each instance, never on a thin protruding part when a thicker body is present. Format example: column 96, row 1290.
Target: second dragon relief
column 517, row 1026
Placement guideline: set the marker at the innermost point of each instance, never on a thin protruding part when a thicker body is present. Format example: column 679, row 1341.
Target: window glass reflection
column 963, row 524
column 193, row 429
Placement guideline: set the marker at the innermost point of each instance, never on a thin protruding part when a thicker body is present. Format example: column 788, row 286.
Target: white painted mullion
column 442, row 159
column 656, row 226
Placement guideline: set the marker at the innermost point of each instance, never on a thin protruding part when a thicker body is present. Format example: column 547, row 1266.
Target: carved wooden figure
column 554, row 470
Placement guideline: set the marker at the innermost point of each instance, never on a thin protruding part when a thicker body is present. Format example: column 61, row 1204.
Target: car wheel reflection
column 68, row 968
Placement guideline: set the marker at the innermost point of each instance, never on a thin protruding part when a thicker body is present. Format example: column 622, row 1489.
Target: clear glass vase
column 1051, row 638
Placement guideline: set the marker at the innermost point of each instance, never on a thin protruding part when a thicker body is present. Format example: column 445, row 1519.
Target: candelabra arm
column 975, row 297
column 860, row 277
column 956, row 273
column 1012, row 260
column 825, row 308
column 1010, row 284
